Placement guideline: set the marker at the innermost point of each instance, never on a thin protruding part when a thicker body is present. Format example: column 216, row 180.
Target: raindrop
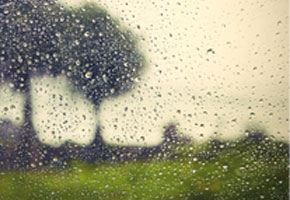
column 86, row 34
column 88, row 74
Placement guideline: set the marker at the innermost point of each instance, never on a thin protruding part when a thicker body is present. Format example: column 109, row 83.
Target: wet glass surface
column 143, row 100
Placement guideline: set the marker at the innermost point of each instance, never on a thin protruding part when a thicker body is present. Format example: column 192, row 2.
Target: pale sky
column 232, row 56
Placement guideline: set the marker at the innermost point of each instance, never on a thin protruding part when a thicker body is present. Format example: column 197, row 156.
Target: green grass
column 242, row 170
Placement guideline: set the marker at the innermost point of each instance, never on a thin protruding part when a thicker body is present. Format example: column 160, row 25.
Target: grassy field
column 245, row 169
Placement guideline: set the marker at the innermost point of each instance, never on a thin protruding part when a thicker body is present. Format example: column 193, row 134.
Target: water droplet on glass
column 87, row 34
column 88, row 74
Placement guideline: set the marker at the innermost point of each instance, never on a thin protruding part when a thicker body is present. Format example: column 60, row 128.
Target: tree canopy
column 84, row 43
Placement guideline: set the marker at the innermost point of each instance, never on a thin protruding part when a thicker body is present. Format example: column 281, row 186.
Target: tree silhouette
column 84, row 44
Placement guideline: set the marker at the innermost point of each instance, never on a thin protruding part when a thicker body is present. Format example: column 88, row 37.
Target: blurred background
column 144, row 99
column 215, row 68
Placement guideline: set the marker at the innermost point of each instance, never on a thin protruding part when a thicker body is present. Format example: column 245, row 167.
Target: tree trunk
column 31, row 147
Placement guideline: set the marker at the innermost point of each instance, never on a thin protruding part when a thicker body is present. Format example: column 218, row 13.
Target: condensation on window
column 148, row 100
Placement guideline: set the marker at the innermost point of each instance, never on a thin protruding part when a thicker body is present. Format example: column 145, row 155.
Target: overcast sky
column 231, row 57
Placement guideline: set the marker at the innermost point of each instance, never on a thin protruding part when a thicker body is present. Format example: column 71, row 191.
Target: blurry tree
column 84, row 44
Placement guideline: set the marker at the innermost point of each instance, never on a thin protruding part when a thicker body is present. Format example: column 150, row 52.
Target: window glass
column 144, row 99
